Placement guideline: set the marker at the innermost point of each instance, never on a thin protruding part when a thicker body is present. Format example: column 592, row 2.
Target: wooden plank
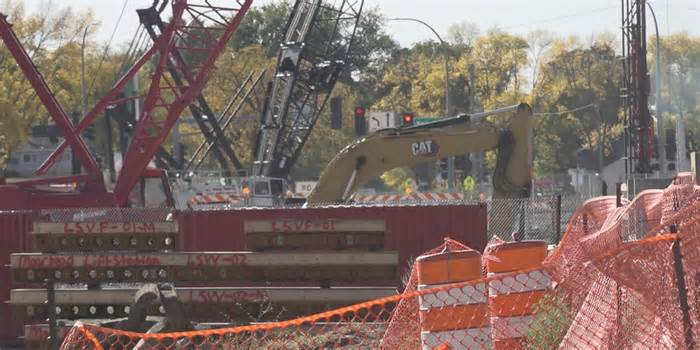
column 201, row 259
column 302, row 226
column 207, row 295
column 103, row 227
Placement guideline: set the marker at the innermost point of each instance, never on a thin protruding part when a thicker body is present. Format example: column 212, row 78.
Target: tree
column 232, row 69
column 680, row 67
column 256, row 44
column 498, row 59
column 263, row 26
column 51, row 40
column 462, row 33
column 572, row 77
column 371, row 50
column 413, row 78
column 324, row 143
column 538, row 42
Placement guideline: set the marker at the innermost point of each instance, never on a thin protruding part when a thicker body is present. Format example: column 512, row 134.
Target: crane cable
column 109, row 43
column 136, row 47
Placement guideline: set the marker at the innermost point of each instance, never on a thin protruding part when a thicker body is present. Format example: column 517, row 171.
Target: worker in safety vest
column 246, row 195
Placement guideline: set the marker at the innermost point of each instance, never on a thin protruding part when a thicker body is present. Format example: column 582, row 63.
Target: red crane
column 197, row 29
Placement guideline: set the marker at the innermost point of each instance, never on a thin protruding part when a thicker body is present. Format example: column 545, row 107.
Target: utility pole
column 83, row 93
column 475, row 157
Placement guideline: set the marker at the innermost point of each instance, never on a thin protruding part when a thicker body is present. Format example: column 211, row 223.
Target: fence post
column 618, row 289
column 618, row 194
column 51, row 310
column 682, row 293
column 521, row 226
column 557, row 218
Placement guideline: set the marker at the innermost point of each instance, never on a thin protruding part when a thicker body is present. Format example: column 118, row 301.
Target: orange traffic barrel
column 517, row 283
column 453, row 317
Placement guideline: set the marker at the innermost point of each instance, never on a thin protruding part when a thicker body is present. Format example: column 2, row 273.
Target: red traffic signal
column 407, row 119
column 360, row 121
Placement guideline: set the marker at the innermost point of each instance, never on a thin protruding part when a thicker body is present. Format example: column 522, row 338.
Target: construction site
column 316, row 174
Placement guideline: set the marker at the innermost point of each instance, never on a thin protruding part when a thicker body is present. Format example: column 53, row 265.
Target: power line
column 558, row 18
column 109, row 43
column 577, row 109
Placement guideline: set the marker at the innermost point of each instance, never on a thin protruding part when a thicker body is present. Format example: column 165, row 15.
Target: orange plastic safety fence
column 404, row 329
column 622, row 277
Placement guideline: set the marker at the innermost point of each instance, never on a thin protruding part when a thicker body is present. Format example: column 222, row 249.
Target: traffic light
column 360, row 121
column 407, row 119
column 336, row 113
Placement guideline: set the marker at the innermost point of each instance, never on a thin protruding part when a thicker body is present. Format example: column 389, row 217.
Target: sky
column 564, row 17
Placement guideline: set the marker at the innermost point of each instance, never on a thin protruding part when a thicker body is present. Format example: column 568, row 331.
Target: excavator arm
column 391, row 148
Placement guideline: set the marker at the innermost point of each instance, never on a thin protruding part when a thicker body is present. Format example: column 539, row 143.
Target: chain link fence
column 543, row 218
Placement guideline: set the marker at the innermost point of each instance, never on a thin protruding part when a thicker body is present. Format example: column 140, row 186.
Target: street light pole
column 83, row 97
column 451, row 160
column 447, row 58
column 83, row 92
column 83, row 102
column 660, row 132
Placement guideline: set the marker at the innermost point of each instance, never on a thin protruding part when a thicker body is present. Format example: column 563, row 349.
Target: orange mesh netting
column 404, row 329
column 621, row 277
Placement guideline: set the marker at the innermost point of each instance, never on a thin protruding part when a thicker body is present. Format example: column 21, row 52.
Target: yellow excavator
column 386, row 149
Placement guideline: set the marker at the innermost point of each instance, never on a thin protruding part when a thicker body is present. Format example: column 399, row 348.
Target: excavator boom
column 391, row 148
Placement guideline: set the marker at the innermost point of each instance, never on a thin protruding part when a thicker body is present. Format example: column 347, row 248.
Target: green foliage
column 575, row 75
column 51, row 39
column 263, row 26
column 487, row 70
column 552, row 318
column 232, row 69
column 371, row 49
column 324, row 143
column 498, row 59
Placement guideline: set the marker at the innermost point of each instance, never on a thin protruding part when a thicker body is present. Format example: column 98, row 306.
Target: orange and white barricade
column 517, row 283
column 454, row 318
